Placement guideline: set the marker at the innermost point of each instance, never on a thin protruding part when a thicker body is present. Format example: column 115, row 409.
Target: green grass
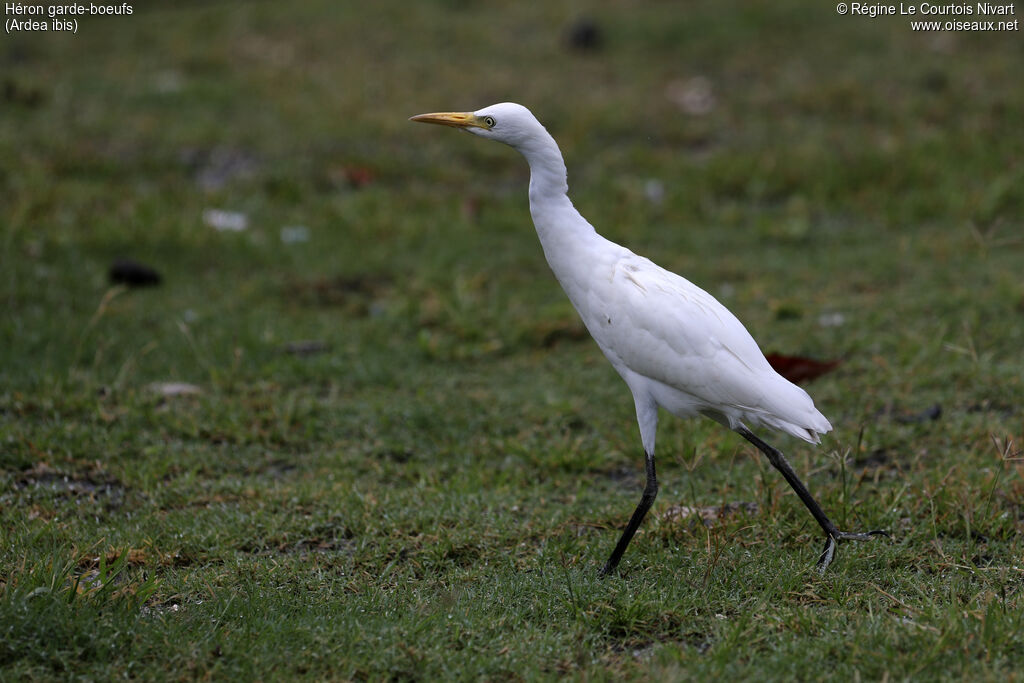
column 432, row 495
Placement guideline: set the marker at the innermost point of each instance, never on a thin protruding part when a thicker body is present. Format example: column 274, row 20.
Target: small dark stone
column 18, row 94
column 306, row 347
column 935, row 81
column 876, row 458
column 584, row 35
column 133, row 274
column 929, row 414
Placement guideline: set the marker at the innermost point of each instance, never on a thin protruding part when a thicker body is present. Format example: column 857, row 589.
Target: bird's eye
column 489, row 121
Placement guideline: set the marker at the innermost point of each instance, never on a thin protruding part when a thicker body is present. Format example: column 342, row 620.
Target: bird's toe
column 832, row 539
column 870, row 535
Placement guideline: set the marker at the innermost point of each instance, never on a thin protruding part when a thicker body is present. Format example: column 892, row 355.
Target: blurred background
column 255, row 319
column 693, row 133
column 258, row 157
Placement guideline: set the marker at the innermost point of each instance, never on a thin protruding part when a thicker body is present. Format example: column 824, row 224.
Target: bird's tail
column 799, row 418
column 808, row 434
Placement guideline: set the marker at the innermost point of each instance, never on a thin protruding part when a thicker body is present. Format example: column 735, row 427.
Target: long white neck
column 547, row 169
column 560, row 227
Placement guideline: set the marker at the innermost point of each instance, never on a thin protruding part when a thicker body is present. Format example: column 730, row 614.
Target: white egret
column 675, row 346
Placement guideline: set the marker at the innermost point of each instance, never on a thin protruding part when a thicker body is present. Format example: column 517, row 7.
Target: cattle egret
column 675, row 346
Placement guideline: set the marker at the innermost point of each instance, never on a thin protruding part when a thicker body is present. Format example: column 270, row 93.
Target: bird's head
column 507, row 122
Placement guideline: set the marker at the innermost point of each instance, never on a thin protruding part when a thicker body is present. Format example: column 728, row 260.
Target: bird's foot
column 832, row 539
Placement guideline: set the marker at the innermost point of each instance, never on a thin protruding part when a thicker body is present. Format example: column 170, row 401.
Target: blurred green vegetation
column 428, row 490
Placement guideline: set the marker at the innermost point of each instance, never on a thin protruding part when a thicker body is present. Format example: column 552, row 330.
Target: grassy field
column 406, row 459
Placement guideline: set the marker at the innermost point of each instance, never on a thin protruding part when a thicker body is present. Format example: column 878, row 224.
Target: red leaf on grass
column 358, row 176
column 798, row 369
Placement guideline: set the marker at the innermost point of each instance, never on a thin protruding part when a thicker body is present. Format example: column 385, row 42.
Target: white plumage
column 675, row 346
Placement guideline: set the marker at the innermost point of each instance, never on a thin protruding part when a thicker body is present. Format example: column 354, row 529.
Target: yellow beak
column 451, row 118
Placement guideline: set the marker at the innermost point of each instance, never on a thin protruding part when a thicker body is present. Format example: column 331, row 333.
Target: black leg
column 832, row 534
column 650, row 493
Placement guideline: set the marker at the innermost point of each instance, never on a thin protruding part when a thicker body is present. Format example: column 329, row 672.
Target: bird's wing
column 665, row 328
column 676, row 332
